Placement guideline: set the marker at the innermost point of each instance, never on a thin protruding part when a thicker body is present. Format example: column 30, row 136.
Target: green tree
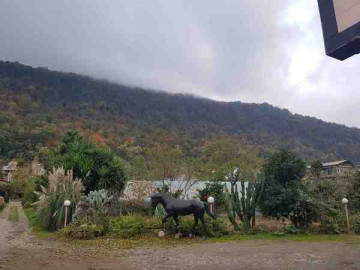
column 316, row 168
column 71, row 136
column 283, row 189
column 100, row 168
column 214, row 189
column 219, row 156
column 354, row 196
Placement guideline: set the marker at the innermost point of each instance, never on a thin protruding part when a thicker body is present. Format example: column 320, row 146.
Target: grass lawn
column 30, row 215
column 13, row 214
column 118, row 243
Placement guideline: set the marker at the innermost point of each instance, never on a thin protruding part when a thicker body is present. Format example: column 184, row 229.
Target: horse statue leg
column 177, row 228
column 196, row 222
column 203, row 231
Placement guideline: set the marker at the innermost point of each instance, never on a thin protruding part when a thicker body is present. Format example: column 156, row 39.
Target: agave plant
column 99, row 199
column 50, row 213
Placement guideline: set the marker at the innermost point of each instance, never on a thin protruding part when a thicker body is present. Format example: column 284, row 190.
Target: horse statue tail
column 208, row 211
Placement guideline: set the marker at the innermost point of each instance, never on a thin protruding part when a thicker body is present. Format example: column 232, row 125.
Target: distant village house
column 7, row 171
column 37, row 169
column 335, row 168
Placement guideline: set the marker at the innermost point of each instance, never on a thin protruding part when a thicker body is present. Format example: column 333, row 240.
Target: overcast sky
column 247, row 50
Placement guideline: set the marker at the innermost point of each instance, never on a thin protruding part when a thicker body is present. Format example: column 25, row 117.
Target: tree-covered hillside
column 38, row 106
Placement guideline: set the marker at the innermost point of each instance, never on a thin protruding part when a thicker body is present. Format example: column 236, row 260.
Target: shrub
column 357, row 226
column 99, row 202
column 132, row 225
column 304, row 213
column 16, row 188
column 50, row 211
column 213, row 227
column 260, row 229
column 28, row 194
column 2, row 203
column 5, row 191
column 215, row 189
column 329, row 227
column 83, row 231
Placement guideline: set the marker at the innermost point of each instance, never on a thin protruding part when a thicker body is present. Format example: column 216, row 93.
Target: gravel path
column 20, row 250
column 251, row 255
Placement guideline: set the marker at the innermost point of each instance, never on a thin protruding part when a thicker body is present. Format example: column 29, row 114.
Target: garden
column 253, row 196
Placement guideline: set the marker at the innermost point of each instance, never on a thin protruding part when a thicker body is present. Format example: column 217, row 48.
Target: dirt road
column 19, row 249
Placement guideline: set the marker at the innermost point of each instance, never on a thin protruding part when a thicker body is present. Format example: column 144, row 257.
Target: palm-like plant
column 99, row 167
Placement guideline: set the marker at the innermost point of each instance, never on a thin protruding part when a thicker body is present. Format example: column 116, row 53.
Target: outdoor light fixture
column 66, row 205
column 340, row 21
column 346, row 202
column 211, row 201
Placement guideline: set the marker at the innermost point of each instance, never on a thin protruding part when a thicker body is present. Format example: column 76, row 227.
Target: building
column 337, row 168
column 332, row 169
column 37, row 169
column 8, row 170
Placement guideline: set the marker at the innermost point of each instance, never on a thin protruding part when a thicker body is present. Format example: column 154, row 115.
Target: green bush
column 5, row 191
column 334, row 222
column 329, row 228
column 133, row 225
column 213, row 227
column 83, row 231
column 215, row 189
column 28, row 194
column 357, row 226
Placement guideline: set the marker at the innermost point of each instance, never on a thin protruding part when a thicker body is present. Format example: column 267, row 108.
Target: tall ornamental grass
column 50, row 212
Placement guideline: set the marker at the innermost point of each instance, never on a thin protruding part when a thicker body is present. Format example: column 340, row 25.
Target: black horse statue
column 175, row 208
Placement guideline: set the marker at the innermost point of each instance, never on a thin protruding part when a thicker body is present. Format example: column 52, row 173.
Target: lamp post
column 346, row 202
column 66, row 205
column 211, row 201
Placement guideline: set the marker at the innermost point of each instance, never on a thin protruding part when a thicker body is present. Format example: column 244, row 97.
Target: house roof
column 11, row 166
column 336, row 163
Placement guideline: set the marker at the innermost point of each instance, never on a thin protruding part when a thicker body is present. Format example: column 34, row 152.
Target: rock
column 161, row 234
column 82, row 209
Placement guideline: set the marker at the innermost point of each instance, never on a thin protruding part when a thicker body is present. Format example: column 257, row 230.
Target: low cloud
column 252, row 51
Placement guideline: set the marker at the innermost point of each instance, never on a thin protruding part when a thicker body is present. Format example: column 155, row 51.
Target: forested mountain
column 37, row 106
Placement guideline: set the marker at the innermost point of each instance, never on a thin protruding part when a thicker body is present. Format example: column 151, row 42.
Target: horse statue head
column 156, row 199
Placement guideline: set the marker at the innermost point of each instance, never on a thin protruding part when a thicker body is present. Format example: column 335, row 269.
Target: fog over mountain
column 252, row 51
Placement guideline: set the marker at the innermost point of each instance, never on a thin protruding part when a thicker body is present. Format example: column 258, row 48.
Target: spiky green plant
column 99, row 199
column 50, row 212
column 243, row 205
